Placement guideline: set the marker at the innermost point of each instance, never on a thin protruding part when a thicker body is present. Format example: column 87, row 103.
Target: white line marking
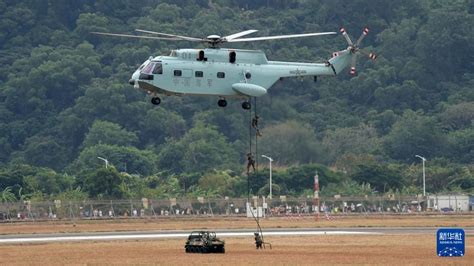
column 179, row 235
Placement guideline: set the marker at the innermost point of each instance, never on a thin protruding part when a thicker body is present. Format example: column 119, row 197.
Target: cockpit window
column 158, row 69
column 148, row 68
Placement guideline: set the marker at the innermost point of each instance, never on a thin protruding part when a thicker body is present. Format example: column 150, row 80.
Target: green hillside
column 65, row 100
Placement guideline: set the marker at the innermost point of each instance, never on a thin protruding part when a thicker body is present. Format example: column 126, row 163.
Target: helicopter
column 229, row 73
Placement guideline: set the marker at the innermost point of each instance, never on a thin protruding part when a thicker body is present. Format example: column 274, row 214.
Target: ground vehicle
column 204, row 242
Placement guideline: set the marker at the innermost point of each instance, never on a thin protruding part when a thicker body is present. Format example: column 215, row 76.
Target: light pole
column 423, row 159
column 105, row 160
column 270, row 161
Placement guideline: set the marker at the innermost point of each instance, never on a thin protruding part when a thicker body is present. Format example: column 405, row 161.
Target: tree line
column 65, row 100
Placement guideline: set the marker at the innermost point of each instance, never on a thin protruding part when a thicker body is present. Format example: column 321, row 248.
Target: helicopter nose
column 134, row 77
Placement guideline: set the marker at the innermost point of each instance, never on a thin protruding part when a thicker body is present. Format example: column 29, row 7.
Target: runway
column 147, row 235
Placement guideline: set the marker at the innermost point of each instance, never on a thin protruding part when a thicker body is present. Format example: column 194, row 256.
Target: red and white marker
column 353, row 71
column 366, row 31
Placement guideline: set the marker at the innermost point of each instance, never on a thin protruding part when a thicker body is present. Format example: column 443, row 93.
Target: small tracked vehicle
column 204, row 242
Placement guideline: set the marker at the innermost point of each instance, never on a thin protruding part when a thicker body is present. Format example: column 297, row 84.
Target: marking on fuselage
column 298, row 72
column 187, row 82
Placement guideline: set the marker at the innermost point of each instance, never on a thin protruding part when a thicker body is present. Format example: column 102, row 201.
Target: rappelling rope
column 256, row 218
column 256, row 136
column 250, row 151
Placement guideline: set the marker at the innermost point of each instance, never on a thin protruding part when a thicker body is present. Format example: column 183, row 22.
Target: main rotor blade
column 135, row 36
column 239, row 34
column 281, row 37
column 187, row 38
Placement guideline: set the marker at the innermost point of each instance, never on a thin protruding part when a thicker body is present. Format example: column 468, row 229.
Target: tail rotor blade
column 362, row 36
column 353, row 64
column 346, row 36
column 372, row 56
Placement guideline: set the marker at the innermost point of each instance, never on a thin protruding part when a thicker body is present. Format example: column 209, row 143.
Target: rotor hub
column 213, row 37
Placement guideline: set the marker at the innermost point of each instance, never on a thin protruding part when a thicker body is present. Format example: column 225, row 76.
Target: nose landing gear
column 156, row 100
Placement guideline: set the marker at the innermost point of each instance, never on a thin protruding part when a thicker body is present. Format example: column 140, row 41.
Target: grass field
column 297, row 250
column 384, row 249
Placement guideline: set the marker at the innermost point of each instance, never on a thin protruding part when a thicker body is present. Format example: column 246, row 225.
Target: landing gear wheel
column 156, row 100
column 246, row 105
column 222, row 103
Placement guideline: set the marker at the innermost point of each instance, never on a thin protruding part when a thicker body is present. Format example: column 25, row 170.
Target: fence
column 147, row 208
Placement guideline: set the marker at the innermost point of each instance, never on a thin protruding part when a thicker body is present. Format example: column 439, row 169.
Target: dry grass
column 188, row 223
column 307, row 250
column 393, row 249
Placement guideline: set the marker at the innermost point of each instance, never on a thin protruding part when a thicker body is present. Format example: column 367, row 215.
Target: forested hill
column 65, row 99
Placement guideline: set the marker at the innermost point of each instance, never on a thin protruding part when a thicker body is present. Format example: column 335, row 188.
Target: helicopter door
column 187, row 73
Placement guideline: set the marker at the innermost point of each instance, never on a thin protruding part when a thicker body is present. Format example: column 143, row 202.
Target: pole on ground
column 316, row 195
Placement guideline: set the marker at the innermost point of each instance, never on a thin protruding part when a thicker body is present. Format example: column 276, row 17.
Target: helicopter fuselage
column 224, row 72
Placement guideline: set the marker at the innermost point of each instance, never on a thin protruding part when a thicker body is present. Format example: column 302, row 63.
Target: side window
column 232, row 57
column 177, row 73
column 221, row 75
column 198, row 74
column 158, row 69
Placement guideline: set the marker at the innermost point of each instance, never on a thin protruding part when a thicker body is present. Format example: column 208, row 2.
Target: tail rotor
column 355, row 48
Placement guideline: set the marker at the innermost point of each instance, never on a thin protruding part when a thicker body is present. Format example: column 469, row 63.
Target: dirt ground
column 308, row 250
column 287, row 250
column 213, row 223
